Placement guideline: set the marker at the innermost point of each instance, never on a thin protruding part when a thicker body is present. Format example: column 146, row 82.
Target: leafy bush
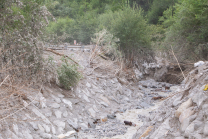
column 133, row 32
column 157, row 9
column 21, row 29
column 188, row 31
column 68, row 74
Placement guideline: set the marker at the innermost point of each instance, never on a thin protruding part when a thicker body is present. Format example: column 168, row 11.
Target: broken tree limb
column 50, row 50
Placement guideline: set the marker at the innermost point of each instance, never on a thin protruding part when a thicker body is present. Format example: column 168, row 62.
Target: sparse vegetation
column 68, row 74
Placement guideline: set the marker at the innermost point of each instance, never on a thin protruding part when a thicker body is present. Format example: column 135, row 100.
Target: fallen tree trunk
column 50, row 50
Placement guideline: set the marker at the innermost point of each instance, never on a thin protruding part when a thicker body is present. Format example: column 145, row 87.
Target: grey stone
column 58, row 113
column 205, row 131
column 144, row 104
column 48, row 113
column 58, row 100
column 189, row 130
column 16, row 129
column 41, row 128
column 112, row 116
column 73, row 124
column 27, row 134
column 91, row 125
column 11, row 135
column 103, row 103
column 68, row 102
column 41, row 115
column 199, row 97
column 34, row 125
column 59, row 123
column 83, row 126
column 177, row 101
column 197, row 136
column 105, row 99
column 186, row 122
column 179, row 137
column 55, row 105
column 46, row 136
column 159, row 132
column 86, row 98
column 65, row 114
column 92, row 112
column 47, row 128
column 60, row 95
column 53, row 130
column 88, row 85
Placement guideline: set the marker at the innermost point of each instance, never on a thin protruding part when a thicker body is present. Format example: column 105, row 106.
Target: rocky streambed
column 97, row 108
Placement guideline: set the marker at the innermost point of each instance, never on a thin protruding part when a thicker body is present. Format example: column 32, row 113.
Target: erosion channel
column 102, row 106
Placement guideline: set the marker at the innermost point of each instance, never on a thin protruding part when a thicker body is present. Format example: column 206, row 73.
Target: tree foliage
column 21, row 27
column 188, row 28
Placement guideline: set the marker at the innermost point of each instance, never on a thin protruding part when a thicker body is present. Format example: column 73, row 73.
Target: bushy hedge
column 132, row 30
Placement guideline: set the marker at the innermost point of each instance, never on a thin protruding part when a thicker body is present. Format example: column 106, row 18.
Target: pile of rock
column 184, row 114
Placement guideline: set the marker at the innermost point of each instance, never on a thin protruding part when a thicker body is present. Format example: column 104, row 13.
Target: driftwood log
column 50, row 50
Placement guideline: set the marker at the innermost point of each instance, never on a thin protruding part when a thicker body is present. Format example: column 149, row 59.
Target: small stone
column 27, row 134
column 104, row 119
column 34, row 125
column 16, row 129
column 177, row 101
column 73, row 124
column 65, row 114
column 41, row 115
column 205, row 131
column 47, row 128
column 189, row 130
column 66, row 101
column 92, row 112
column 182, row 107
column 48, row 113
column 83, row 126
column 58, row 100
column 179, row 137
column 95, row 108
column 53, row 130
column 41, row 128
column 105, row 99
column 88, row 85
column 86, row 98
column 58, row 113
column 11, row 135
column 91, row 125
column 61, row 136
column 104, row 104
column 55, row 105
column 138, row 107
column 186, row 122
column 46, row 135
column 144, row 104
column 60, row 95
column 43, row 102
column 59, row 123
column 113, row 116
column 186, row 113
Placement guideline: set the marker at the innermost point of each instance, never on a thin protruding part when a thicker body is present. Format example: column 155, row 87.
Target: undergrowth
column 68, row 74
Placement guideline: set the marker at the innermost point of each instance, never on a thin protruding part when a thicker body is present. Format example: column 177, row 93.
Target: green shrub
column 188, row 31
column 68, row 74
column 157, row 9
